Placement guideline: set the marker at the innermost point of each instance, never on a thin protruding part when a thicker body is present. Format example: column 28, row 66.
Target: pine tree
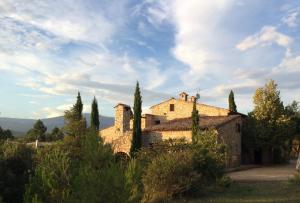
column 195, row 122
column 95, row 122
column 232, row 105
column 136, row 142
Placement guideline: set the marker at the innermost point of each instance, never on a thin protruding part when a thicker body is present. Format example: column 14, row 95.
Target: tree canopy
column 38, row 132
column 75, row 123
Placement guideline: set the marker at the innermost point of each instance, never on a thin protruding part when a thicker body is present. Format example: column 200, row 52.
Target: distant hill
column 20, row 126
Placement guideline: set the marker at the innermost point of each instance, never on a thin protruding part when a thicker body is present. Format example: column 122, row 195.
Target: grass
column 255, row 192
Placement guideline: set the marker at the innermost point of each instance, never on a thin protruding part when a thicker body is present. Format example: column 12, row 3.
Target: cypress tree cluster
column 136, row 142
column 232, row 105
column 195, row 121
column 95, row 122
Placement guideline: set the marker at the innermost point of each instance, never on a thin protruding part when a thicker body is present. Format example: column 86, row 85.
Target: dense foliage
column 15, row 166
column 137, row 116
column 78, row 170
column 38, row 132
column 196, row 166
column 75, row 124
column 5, row 134
column 271, row 126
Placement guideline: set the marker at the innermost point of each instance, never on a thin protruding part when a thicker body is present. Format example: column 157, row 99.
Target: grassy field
column 264, row 192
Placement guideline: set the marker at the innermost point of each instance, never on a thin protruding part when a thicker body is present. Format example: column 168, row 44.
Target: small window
column 172, row 107
column 157, row 122
column 151, row 145
column 238, row 128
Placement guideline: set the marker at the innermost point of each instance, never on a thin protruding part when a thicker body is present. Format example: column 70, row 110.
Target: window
column 238, row 128
column 172, row 107
column 157, row 122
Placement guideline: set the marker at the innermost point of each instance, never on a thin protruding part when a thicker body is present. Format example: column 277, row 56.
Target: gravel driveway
column 265, row 173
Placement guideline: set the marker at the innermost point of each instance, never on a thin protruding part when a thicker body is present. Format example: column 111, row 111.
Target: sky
column 51, row 49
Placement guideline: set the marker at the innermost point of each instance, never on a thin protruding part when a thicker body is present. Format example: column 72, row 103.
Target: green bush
column 169, row 175
column 133, row 174
column 51, row 181
column 81, row 169
column 16, row 163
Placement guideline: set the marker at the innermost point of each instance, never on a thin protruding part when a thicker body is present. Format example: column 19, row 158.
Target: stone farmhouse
column 171, row 119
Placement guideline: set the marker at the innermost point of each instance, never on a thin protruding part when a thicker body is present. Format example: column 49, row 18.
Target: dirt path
column 268, row 173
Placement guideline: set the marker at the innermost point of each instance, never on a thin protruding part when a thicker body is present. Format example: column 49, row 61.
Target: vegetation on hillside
column 79, row 167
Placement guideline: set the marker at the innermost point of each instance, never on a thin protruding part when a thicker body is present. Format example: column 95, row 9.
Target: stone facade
column 178, row 108
column 227, row 126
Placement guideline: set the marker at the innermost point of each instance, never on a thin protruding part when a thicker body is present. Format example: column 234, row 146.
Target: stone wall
column 123, row 115
column 158, row 136
column 122, row 143
column 230, row 133
column 183, row 109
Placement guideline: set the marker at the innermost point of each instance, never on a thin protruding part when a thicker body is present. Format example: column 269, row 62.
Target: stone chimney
column 192, row 98
column 123, row 114
column 183, row 96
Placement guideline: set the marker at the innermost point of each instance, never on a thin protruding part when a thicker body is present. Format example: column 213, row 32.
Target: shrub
column 169, row 175
column 52, row 178
column 15, row 165
column 133, row 174
column 81, row 169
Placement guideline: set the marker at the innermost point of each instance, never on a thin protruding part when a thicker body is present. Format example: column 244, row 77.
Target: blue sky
column 51, row 49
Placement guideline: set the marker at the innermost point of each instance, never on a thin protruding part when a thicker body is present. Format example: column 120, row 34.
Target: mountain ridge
column 21, row 125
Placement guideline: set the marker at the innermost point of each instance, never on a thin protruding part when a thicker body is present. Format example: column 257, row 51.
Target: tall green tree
column 38, row 132
column 232, row 105
column 273, row 126
column 77, row 108
column 136, row 142
column 75, row 123
column 95, row 122
column 195, row 122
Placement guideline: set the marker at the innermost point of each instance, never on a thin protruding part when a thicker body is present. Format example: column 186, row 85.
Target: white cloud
column 267, row 35
column 291, row 17
column 71, row 21
column 196, row 38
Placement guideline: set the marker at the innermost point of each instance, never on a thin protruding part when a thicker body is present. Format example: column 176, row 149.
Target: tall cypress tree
column 77, row 108
column 195, row 121
column 232, row 105
column 136, row 142
column 95, row 122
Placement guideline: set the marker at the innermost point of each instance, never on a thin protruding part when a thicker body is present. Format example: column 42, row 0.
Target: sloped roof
column 210, row 122
column 121, row 104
